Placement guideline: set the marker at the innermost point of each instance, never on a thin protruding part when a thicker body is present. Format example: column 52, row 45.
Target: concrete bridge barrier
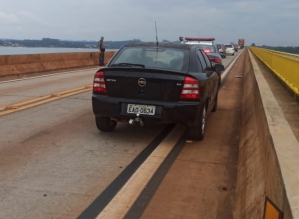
column 268, row 176
column 32, row 63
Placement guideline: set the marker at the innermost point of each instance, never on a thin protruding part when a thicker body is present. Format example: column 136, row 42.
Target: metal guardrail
column 284, row 65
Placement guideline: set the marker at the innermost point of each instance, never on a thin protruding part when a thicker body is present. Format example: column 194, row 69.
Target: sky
column 263, row 22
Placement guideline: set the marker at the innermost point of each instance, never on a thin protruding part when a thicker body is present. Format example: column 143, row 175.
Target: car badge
column 141, row 82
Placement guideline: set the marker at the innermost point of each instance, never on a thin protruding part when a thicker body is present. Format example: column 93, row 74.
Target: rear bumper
column 222, row 53
column 182, row 112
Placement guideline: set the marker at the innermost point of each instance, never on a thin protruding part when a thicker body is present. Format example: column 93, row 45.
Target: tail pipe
column 136, row 121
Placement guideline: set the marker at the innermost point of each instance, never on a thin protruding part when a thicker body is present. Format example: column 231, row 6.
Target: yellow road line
column 40, row 100
column 125, row 198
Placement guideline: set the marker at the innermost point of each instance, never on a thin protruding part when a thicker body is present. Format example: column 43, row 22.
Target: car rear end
column 236, row 47
column 208, row 46
column 222, row 50
column 157, row 87
column 230, row 49
column 212, row 53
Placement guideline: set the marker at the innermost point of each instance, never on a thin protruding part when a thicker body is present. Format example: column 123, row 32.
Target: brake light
column 207, row 51
column 99, row 83
column 191, row 89
column 213, row 59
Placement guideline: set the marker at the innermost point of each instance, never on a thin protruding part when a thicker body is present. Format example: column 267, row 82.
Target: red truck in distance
column 241, row 43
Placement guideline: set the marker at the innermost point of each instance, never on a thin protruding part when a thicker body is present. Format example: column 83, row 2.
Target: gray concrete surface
column 55, row 149
column 268, row 152
column 21, row 90
column 53, row 160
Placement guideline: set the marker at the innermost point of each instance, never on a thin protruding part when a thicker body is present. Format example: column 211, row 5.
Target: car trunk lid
column 144, row 84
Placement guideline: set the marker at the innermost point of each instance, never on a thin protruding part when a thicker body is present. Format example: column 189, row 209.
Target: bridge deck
column 199, row 178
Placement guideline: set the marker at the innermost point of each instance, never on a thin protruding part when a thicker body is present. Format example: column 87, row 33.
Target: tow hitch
column 137, row 121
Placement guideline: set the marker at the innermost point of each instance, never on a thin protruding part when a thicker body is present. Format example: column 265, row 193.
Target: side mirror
column 219, row 67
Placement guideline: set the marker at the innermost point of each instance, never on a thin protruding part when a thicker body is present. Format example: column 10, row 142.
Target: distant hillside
column 48, row 42
column 288, row 49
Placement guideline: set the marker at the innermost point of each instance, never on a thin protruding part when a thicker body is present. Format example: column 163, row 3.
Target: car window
column 209, row 65
column 151, row 57
column 228, row 46
column 208, row 48
column 202, row 61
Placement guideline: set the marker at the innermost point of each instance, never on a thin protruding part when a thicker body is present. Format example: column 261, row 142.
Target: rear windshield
column 228, row 46
column 153, row 57
column 207, row 48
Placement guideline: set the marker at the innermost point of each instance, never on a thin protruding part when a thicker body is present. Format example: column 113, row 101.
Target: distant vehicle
column 236, row 47
column 145, row 83
column 241, row 43
column 209, row 47
column 230, row 49
column 222, row 50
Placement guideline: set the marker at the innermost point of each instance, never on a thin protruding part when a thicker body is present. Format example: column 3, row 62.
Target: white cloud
column 8, row 18
column 30, row 17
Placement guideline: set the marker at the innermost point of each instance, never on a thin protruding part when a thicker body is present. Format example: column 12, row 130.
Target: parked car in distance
column 146, row 83
column 209, row 47
column 222, row 50
column 230, row 49
column 236, row 47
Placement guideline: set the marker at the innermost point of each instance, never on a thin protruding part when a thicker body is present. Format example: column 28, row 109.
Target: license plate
column 141, row 109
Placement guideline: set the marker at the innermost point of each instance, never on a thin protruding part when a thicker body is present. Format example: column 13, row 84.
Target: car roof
column 160, row 44
column 200, row 42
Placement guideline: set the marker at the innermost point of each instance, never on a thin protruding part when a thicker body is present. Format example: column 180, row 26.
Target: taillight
column 213, row 59
column 99, row 83
column 207, row 51
column 191, row 89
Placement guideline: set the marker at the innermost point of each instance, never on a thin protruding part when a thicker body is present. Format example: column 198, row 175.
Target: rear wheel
column 198, row 132
column 105, row 124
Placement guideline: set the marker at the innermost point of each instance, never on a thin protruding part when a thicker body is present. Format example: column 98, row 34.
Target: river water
column 40, row 50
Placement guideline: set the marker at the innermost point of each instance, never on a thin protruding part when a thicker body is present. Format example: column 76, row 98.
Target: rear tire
column 198, row 132
column 105, row 124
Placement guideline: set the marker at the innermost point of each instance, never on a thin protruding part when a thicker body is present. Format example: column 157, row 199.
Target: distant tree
column 287, row 49
column 253, row 44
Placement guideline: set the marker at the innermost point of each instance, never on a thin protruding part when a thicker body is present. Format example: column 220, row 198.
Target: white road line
column 125, row 198
column 230, row 66
column 41, row 76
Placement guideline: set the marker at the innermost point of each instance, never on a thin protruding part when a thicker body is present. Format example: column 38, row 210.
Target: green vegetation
column 288, row 49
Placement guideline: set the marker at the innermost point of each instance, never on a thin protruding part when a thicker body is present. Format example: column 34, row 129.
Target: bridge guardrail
column 284, row 65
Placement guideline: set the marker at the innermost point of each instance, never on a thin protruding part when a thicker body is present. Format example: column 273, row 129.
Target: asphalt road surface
column 54, row 163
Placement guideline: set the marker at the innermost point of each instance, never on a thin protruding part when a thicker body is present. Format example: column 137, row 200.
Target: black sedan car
column 147, row 83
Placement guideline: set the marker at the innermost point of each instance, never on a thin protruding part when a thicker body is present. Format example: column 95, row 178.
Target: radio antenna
column 156, row 34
